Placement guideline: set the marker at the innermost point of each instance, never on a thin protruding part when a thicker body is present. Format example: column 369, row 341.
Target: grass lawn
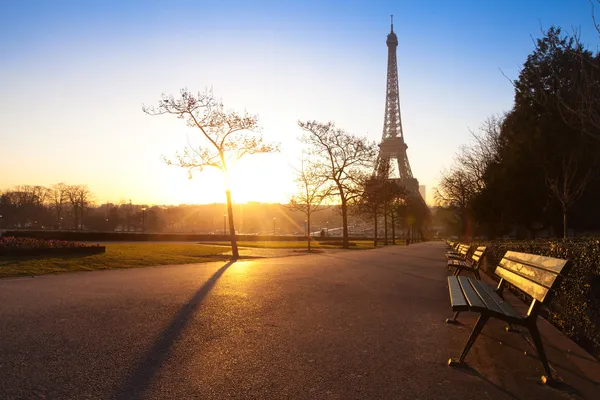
column 360, row 244
column 118, row 255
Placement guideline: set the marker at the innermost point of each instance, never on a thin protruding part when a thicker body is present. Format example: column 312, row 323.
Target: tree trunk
column 564, row 223
column 385, row 225
column 308, row 231
column 393, row 228
column 234, row 248
column 375, row 230
column 345, row 243
column 76, row 216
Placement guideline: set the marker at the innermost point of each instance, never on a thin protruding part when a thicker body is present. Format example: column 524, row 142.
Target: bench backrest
column 478, row 255
column 533, row 274
column 463, row 249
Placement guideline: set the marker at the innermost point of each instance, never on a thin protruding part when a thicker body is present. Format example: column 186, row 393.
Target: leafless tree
column 344, row 160
column 79, row 197
column 312, row 191
column 456, row 191
column 225, row 134
column 459, row 185
column 58, row 201
column 475, row 158
column 569, row 183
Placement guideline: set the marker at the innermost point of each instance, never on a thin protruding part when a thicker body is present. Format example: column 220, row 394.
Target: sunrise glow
column 74, row 80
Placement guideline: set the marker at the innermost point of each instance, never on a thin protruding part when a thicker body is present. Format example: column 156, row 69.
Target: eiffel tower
column 392, row 147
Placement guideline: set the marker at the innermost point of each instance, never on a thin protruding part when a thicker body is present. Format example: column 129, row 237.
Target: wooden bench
column 535, row 275
column 459, row 254
column 471, row 265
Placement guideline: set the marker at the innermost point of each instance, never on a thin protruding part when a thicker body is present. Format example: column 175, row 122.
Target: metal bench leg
column 476, row 330
column 453, row 319
column 537, row 340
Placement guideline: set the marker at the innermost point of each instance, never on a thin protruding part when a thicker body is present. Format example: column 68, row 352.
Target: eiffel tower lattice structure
column 392, row 150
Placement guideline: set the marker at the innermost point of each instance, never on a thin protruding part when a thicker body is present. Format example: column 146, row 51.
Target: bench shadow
column 139, row 381
column 467, row 369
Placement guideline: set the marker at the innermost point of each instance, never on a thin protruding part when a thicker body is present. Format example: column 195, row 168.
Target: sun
column 265, row 178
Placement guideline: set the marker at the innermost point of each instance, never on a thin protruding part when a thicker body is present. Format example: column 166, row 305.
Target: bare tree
column 370, row 203
column 340, row 158
column 455, row 190
column 80, row 197
column 474, row 159
column 568, row 184
column 224, row 132
column 58, row 201
column 312, row 192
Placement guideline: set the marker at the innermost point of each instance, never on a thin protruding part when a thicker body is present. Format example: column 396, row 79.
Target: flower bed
column 12, row 246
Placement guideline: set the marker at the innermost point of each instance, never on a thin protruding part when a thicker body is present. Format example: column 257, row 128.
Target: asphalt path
column 345, row 325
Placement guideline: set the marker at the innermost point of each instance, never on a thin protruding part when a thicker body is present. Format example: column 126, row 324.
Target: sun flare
column 251, row 179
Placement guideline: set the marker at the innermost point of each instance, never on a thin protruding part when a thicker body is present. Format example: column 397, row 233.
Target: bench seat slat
column 491, row 298
column 457, row 298
column 475, row 302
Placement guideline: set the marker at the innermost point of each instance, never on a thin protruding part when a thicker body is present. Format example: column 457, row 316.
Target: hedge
column 575, row 307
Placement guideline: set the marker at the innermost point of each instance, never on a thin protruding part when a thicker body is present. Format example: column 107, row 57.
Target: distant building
column 423, row 192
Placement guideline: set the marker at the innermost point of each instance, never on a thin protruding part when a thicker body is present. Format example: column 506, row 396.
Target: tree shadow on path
column 139, row 381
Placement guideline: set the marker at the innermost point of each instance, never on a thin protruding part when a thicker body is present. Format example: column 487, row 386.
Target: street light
column 327, row 231
column 273, row 226
column 224, row 224
column 0, row 221
column 305, row 228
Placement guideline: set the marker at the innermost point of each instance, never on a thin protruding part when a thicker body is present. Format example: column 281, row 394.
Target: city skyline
column 76, row 75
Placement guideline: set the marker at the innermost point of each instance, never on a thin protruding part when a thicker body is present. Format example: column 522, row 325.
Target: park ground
column 120, row 255
column 332, row 325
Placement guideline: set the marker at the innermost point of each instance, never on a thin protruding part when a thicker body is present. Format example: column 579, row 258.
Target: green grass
column 118, row 255
column 360, row 244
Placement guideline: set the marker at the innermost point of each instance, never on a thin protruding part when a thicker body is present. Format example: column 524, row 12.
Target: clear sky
column 74, row 76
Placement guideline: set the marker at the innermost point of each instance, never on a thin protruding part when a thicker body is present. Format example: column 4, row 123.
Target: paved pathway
column 345, row 325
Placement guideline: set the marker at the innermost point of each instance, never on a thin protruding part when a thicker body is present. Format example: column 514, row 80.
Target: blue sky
column 75, row 74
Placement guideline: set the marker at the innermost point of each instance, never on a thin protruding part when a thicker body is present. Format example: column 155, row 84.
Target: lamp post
column 0, row 221
column 305, row 228
column 273, row 226
column 327, row 231
column 144, row 219
column 224, row 224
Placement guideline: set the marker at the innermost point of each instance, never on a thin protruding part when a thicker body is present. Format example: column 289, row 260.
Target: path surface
column 344, row 325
